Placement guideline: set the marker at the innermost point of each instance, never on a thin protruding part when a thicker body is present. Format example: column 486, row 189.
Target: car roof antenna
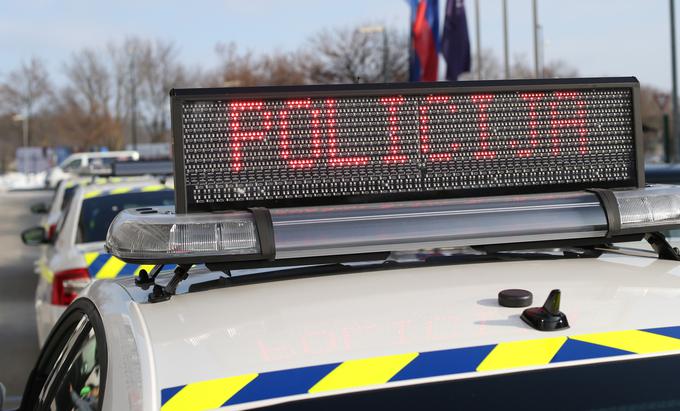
column 549, row 317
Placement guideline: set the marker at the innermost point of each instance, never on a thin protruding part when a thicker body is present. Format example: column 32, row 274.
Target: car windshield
column 98, row 212
column 642, row 384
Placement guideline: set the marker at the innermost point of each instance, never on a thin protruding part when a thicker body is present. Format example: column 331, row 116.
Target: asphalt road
column 18, row 338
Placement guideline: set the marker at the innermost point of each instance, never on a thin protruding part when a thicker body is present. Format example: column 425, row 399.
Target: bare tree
column 27, row 90
column 350, row 55
column 87, row 101
column 489, row 64
column 159, row 71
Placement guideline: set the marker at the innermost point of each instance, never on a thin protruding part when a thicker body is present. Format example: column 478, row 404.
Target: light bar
column 158, row 234
column 655, row 208
column 295, row 146
column 142, row 167
column 153, row 234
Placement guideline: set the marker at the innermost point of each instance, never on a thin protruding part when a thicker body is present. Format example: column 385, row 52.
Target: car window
column 66, row 206
column 72, row 165
column 72, row 333
column 98, row 212
column 68, row 194
column 79, row 385
column 71, row 370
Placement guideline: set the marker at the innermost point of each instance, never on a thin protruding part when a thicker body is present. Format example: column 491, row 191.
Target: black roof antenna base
column 549, row 317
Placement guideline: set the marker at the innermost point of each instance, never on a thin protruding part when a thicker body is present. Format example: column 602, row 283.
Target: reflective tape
column 106, row 266
column 125, row 190
column 383, row 370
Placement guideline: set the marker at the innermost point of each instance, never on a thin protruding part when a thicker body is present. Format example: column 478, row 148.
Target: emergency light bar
column 158, row 234
column 291, row 173
column 142, row 167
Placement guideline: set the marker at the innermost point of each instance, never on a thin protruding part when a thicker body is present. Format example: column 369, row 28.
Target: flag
column 424, row 40
column 455, row 40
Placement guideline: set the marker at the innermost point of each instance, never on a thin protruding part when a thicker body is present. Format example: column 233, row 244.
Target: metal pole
column 133, row 102
column 675, row 139
column 24, row 126
column 534, row 10
column 505, row 39
column 385, row 54
column 479, row 42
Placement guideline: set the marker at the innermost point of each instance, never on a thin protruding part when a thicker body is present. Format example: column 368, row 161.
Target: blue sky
column 598, row 37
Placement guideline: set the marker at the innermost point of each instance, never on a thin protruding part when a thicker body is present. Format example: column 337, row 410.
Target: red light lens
column 67, row 284
column 52, row 232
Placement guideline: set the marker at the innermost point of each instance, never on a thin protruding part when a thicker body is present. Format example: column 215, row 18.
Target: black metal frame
column 179, row 96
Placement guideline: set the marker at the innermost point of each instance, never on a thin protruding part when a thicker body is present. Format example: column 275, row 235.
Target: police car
column 75, row 254
column 115, row 172
column 62, row 196
column 553, row 286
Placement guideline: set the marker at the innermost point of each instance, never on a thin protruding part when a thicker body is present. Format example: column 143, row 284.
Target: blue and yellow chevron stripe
column 102, row 266
column 205, row 395
column 125, row 190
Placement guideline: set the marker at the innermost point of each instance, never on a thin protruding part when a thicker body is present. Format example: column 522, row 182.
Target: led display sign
column 290, row 146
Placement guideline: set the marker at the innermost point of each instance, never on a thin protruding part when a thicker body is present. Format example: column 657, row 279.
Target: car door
column 71, row 371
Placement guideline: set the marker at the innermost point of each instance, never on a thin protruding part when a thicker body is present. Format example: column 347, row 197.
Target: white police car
column 62, row 196
column 76, row 253
column 525, row 186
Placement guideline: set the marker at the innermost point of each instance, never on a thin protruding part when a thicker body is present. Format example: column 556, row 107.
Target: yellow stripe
column 521, row 354
column 207, row 395
column 111, row 268
column 146, row 267
column 90, row 257
column 157, row 187
column 92, row 194
column 115, row 179
column 359, row 373
column 639, row 342
column 121, row 190
column 45, row 272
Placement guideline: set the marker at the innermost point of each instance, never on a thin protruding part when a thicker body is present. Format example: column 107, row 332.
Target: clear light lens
column 236, row 236
column 653, row 206
column 154, row 234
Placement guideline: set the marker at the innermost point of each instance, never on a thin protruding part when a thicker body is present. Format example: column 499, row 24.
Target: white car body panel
column 83, row 160
column 67, row 254
column 289, row 323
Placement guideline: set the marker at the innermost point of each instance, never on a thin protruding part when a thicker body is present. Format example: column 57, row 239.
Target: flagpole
column 478, row 41
column 676, row 141
column 534, row 10
column 505, row 39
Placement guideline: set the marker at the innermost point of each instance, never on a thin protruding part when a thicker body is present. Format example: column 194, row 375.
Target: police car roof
column 238, row 328
column 131, row 183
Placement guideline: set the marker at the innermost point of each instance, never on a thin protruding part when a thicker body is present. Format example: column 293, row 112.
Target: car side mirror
column 34, row 236
column 39, row 208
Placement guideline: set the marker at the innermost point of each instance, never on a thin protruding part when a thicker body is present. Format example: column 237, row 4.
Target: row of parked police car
column 472, row 245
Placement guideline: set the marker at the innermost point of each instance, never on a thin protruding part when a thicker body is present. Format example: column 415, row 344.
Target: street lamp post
column 133, row 99
column 534, row 9
column 506, row 58
column 24, row 127
column 385, row 51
